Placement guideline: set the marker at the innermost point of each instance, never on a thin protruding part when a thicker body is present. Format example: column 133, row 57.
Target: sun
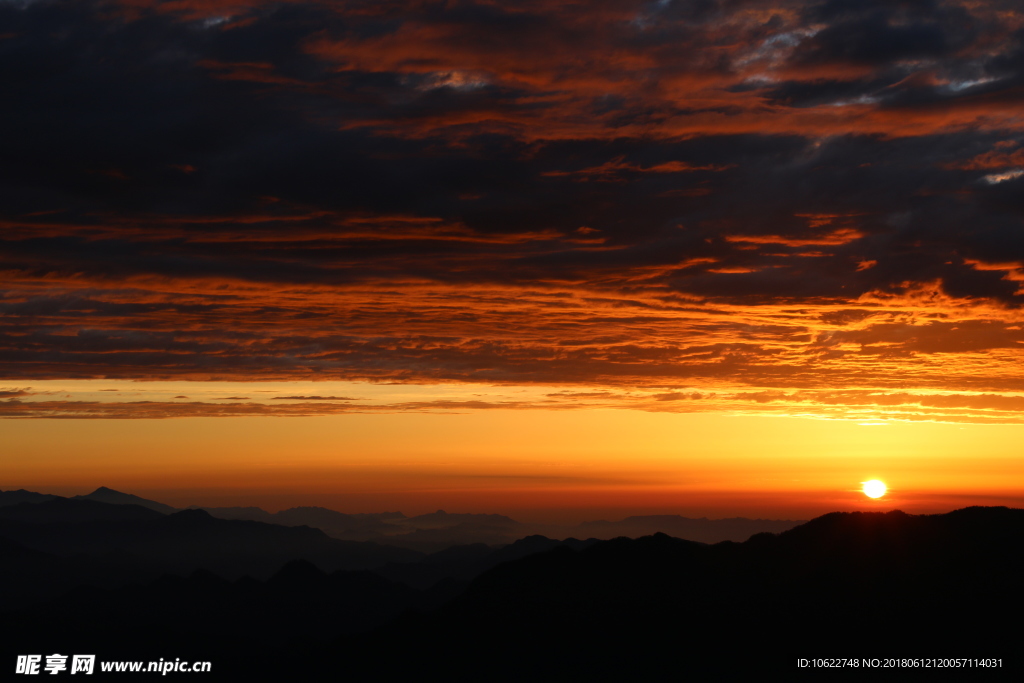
column 874, row 488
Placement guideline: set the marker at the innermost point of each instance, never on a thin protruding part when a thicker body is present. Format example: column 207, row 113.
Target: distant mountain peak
column 23, row 496
column 108, row 495
column 298, row 571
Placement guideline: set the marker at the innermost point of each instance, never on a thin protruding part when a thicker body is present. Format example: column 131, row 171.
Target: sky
column 546, row 258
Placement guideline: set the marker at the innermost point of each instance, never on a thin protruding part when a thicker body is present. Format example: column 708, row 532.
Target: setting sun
column 874, row 488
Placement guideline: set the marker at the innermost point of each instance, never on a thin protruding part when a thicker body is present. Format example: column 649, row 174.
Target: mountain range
column 439, row 530
column 874, row 587
column 54, row 543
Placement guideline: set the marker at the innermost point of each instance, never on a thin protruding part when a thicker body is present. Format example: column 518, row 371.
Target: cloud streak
column 856, row 404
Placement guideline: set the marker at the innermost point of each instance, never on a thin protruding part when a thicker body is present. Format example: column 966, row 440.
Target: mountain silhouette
column 863, row 585
column 23, row 496
column 359, row 527
column 704, row 530
column 436, row 531
column 872, row 585
column 184, row 541
column 464, row 563
column 442, row 520
column 105, row 495
column 72, row 510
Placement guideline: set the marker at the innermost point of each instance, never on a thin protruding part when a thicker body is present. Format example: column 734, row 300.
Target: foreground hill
column 847, row 585
column 657, row 608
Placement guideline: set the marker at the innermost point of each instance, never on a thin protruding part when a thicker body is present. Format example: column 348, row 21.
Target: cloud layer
column 816, row 199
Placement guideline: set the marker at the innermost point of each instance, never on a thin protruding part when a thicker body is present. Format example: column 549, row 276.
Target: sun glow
column 874, row 488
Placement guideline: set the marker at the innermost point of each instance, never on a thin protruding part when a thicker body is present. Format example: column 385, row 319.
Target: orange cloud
column 1002, row 156
column 836, row 237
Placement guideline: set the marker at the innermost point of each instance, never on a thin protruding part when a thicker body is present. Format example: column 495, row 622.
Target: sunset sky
column 549, row 258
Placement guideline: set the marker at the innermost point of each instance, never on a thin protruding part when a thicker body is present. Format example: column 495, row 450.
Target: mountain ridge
column 435, row 531
column 846, row 584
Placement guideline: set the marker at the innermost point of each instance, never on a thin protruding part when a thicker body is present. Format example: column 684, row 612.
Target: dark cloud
column 884, row 33
column 780, row 194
